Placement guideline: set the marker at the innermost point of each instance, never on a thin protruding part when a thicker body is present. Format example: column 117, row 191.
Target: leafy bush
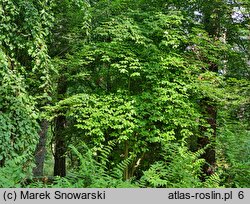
column 180, row 169
column 234, row 155
column 15, row 173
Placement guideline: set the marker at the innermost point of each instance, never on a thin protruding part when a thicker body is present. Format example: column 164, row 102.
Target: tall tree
column 136, row 58
column 71, row 19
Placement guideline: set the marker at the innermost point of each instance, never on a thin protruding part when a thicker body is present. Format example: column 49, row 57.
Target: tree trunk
column 41, row 149
column 2, row 161
column 60, row 147
column 213, row 27
column 210, row 112
column 208, row 142
column 60, row 143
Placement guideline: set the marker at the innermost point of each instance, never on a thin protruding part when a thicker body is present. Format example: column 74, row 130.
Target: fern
column 93, row 174
column 117, row 171
column 15, row 172
column 181, row 169
column 105, row 153
column 212, row 181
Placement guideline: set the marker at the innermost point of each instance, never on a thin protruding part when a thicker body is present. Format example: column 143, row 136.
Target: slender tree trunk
column 213, row 27
column 60, row 143
column 208, row 142
column 210, row 112
column 60, row 147
column 41, row 149
column 2, row 161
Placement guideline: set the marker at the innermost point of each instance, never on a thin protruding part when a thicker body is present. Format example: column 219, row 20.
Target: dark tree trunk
column 41, row 149
column 2, row 161
column 213, row 27
column 208, row 142
column 210, row 112
column 60, row 143
column 60, row 147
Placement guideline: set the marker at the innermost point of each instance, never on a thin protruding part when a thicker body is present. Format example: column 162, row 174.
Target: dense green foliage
column 136, row 93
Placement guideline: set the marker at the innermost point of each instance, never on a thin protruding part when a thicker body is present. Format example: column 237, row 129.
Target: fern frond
column 105, row 153
column 117, row 171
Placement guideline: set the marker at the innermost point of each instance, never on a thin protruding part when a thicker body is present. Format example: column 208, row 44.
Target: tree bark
column 60, row 143
column 208, row 142
column 2, row 161
column 60, row 147
column 40, row 152
column 213, row 27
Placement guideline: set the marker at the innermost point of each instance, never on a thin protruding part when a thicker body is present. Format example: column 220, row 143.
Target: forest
column 125, row 93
